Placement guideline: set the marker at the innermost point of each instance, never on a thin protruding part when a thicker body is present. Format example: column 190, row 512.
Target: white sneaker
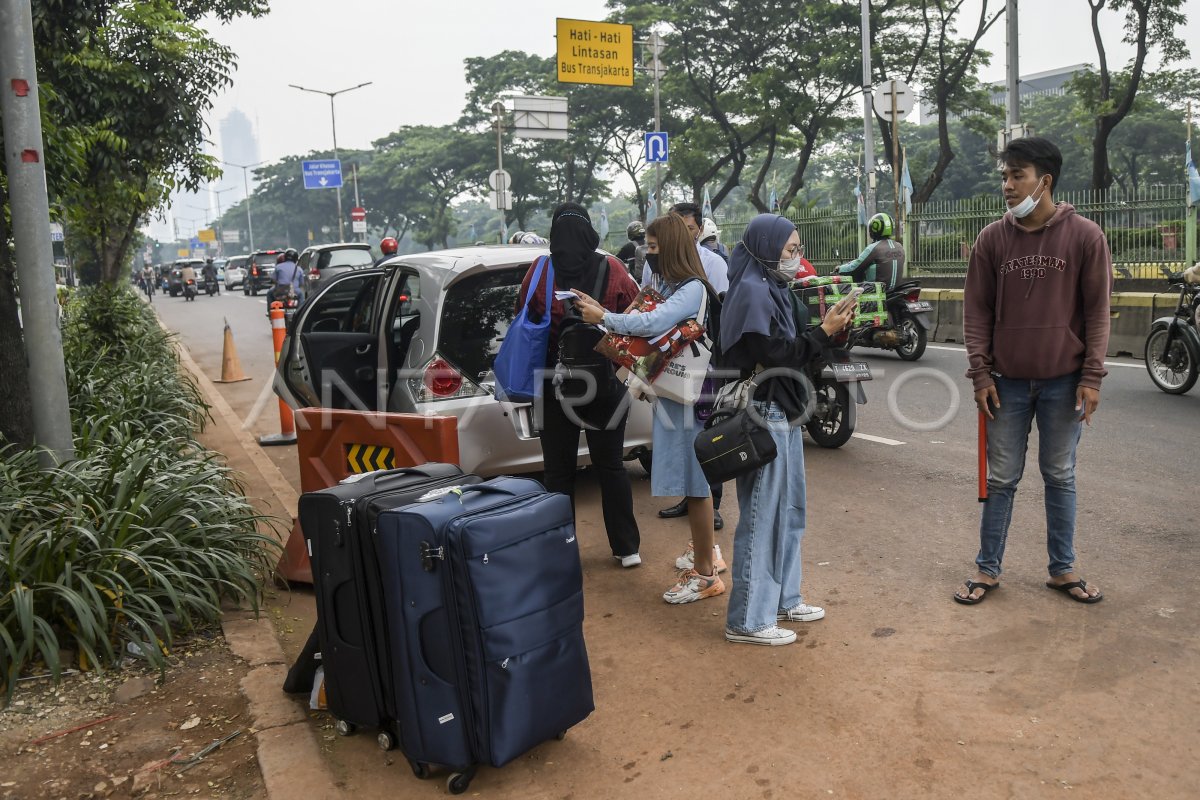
column 801, row 613
column 632, row 560
column 687, row 561
column 770, row 636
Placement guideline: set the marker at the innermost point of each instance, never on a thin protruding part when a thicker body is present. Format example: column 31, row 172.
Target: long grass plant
column 146, row 532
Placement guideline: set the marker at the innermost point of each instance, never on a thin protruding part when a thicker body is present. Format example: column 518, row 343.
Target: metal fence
column 1145, row 230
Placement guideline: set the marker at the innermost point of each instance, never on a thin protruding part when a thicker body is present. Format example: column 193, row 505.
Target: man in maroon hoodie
column 1035, row 319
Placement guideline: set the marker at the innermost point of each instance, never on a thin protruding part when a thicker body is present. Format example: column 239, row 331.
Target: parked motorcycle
column 908, row 323
column 189, row 289
column 834, row 415
column 1173, row 346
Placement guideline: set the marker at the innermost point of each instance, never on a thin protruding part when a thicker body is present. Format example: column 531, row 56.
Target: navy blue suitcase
column 338, row 524
column 488, row 652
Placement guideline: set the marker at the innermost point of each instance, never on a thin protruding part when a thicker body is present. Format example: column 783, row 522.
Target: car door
column 330, row 356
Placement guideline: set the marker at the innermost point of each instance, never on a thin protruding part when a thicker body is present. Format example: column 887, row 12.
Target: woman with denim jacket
column 759, row 332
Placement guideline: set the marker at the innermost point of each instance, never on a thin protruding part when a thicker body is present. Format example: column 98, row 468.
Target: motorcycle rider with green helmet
column 883, row 258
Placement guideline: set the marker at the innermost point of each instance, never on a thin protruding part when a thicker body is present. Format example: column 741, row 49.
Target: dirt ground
column 130, row 733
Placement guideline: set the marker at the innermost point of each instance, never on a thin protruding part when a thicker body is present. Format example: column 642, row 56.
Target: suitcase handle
column 485, row 489
column 401, row 472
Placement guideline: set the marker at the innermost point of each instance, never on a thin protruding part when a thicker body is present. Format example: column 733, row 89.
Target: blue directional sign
column 656, row 147
column 325, row 174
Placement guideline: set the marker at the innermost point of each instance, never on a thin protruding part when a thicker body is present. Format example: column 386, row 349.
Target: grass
column 146, row 532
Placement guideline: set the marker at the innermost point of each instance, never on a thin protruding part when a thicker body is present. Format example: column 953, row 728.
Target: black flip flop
column 1066, row 588
column 971, row 587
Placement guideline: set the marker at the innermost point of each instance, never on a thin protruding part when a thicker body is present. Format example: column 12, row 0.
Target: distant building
column 239, row 145
column 1051, row 82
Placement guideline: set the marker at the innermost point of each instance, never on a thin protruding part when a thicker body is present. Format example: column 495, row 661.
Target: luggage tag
column 434, row 494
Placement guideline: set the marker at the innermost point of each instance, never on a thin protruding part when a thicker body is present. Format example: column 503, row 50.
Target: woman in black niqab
column 573, row 243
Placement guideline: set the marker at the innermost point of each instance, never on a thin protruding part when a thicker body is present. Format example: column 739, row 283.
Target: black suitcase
column 337, row 524
column 485, row 592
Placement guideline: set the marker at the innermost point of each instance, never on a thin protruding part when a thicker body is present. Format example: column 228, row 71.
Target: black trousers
column 560, row 446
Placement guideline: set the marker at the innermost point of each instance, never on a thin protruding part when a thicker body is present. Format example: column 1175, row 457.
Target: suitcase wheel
column 422, row 771
column 459, row 782
column 344, row 728
column 385, row 740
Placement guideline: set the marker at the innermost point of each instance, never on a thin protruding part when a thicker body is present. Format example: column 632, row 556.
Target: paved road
column 899, row 692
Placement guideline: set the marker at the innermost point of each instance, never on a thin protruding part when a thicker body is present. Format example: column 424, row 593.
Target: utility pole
column 498, row 110
column 30, row 205
column 656, row 46
column 246, row 186
column 1013, row 78
column 333, row 118
column 868, row 112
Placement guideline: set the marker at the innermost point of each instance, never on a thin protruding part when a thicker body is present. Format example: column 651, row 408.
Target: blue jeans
column 766, row 545
column 1052, row 403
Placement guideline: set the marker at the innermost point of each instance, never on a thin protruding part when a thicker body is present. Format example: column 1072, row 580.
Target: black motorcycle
column 1173, row 346
column 833, row 414
column 908, row 323
column 210, row 286
column 287, row 296
column 189, row 289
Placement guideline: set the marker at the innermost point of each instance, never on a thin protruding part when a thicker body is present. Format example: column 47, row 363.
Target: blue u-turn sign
column 656, row 147
column 326, row 174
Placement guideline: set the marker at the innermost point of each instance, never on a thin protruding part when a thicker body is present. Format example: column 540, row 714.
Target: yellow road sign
column 183, row 252
column 369, row 457
column 207, row 235
column 595, row 52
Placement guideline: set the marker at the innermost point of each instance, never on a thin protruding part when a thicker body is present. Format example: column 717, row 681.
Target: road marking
column 877, row 439
column 963, row 350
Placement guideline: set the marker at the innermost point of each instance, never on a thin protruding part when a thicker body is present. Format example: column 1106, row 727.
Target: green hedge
column 146, row 532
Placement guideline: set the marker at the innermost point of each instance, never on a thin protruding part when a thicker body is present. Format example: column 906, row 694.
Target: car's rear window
column 235, row 263
column 476, row 313
column 345, row 258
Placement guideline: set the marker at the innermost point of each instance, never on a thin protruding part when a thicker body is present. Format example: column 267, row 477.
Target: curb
column 288, row 754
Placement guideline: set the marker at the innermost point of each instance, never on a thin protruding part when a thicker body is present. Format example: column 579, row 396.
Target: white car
column 235, row 271
column 421, row 332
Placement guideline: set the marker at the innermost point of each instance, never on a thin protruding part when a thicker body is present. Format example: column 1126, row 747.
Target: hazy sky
column 414, row 55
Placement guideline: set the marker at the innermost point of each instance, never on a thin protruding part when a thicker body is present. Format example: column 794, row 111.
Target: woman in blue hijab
column 759, row 330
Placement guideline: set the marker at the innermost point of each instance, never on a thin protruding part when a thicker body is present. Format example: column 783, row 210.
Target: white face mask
column 789, row 264
column 1025, row 207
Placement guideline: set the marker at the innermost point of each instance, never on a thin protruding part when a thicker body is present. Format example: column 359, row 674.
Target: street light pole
column 246, row 185
column 333, row 118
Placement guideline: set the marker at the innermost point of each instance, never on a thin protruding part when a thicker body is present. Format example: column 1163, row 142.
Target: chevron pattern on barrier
column 369, row 457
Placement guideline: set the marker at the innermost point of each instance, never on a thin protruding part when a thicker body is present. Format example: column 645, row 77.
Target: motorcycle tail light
column 440, row 380
column 913, row 296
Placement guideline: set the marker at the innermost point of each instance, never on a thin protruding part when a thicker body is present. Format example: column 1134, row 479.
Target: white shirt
column 715, row 270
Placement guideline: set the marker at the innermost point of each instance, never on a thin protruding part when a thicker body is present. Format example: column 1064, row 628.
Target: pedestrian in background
column 759, row 330
column 671, row 252
column 1036, row 325
column 576, row 265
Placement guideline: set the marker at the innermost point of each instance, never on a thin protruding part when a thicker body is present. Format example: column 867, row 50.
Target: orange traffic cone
column 231, row 366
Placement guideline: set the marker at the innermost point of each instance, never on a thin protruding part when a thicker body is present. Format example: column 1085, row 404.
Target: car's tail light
column 441, row 380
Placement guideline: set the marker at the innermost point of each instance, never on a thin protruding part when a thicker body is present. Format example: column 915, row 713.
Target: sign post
column 595, row 52
column 894, row 101
column 326, row 174
column 358, row 219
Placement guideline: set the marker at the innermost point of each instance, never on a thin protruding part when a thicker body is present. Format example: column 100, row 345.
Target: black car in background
column 321, row 262
column 260, row 271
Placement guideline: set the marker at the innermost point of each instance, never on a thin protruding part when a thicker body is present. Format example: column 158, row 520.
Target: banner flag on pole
column 862, row 205
column 906, row 186
column 1193, row 177
column 774, row 203
column 651, row 208
column 706, row 211
column 603, row 225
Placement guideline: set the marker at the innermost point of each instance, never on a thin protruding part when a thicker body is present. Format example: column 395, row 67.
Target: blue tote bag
column 523, row 351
